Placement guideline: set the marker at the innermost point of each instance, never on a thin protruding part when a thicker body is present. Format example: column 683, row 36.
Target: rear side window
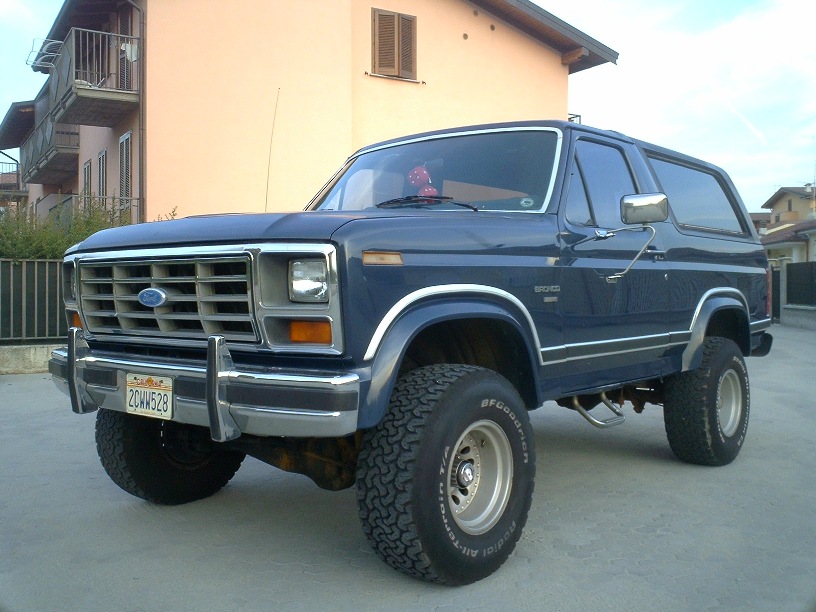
column 696, row 197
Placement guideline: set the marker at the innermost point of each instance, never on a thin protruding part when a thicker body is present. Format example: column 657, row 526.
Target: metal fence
column 31, row 308
column 802, row 283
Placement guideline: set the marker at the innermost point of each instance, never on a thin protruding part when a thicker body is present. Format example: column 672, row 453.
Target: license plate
column 149, row 395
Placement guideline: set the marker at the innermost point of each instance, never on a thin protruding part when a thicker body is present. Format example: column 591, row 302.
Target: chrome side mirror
column 644, row 208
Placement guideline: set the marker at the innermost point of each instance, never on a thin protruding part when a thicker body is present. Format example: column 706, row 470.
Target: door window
column 601, row 177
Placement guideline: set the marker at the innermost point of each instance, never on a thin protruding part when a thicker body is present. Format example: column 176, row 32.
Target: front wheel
column 706, row 410
column 445, row 482
column 162, row 461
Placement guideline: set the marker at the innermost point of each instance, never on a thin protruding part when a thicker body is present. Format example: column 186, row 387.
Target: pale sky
column 730, row 81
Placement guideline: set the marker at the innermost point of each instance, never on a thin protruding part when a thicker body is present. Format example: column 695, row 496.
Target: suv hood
column 220, row 229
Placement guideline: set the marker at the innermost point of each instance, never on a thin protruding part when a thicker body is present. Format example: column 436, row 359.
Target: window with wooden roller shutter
column 124, row 166
column 86, row 178
column 102, row 174
column 393, row 44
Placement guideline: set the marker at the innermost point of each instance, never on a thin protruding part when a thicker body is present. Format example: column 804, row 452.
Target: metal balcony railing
column 95, row 78
column 49, row 155
column 115, row 210
column 10, row 177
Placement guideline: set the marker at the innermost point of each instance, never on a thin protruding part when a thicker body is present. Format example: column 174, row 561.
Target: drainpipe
column 142, row 111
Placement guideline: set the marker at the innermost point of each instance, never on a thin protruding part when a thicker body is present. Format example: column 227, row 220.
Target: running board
column 603, row 424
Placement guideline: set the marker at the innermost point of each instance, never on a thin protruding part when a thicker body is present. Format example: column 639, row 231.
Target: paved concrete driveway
column 616, row 522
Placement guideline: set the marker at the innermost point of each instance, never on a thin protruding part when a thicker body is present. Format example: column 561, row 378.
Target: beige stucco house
column 200, row 107
column 791, row 234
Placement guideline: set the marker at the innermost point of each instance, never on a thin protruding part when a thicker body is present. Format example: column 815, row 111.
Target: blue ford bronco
column 395, row 334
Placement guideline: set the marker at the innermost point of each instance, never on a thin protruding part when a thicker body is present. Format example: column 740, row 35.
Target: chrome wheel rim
column 480, row 477
column 729, row 403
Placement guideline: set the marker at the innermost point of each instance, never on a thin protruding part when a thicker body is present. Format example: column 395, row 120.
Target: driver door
column 614, row 329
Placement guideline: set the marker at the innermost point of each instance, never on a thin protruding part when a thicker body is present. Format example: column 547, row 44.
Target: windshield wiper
column 423, row 200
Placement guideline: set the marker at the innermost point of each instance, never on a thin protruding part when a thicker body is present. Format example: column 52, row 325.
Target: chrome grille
column 205, row 296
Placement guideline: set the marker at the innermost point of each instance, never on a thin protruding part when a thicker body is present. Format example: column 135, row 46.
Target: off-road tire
column 445, row 482
column 706, row 410
column 162, row 461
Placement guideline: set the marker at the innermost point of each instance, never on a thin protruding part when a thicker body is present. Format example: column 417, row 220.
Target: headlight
column 308, row 281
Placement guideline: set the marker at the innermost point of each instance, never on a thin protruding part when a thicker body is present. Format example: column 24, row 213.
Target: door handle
column 655, row 254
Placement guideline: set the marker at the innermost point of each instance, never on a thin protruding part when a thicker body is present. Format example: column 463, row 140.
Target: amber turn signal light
column 313, row 332
column 75, row 320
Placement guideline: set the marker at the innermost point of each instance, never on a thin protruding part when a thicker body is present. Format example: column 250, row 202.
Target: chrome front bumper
column 227, row 400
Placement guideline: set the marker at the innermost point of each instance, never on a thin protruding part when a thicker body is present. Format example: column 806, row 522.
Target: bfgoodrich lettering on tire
column 706, row 410
column 444, row 483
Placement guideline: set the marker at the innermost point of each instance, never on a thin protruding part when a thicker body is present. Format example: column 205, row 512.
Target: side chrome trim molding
column 441, row 290
column 607, row 348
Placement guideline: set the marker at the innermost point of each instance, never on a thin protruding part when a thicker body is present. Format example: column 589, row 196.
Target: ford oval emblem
column 152, row 297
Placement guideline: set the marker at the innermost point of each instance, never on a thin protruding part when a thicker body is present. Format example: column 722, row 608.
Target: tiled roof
column 797, row 232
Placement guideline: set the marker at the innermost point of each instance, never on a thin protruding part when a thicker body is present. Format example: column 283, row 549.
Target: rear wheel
column 445, row 482
column 162, row 461
column 706, row 410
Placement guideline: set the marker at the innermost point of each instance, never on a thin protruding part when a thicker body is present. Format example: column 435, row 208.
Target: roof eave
column 16, row 125
column 77, row 13
column 797, row 191
column 552, row 31
column 783, row 244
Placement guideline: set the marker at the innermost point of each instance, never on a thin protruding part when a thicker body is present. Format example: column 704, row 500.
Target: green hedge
column 49, row 237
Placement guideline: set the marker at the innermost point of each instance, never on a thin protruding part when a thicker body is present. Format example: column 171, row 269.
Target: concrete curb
column 26, row 359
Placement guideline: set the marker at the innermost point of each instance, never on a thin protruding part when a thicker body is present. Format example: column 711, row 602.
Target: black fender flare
column 711, row 303
column 392, row 346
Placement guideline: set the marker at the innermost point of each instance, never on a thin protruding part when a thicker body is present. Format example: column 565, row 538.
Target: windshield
column 504, row 170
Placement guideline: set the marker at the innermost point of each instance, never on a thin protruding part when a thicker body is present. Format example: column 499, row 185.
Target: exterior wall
column 219, row 76
column 36, row 192
column 92, row 140
column 496, row 74
column 224, row 74
column 796, row 253
column 800, row 209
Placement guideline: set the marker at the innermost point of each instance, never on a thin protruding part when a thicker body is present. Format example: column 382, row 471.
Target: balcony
column 50, row 155
column 11, row 181
column 95, row 78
